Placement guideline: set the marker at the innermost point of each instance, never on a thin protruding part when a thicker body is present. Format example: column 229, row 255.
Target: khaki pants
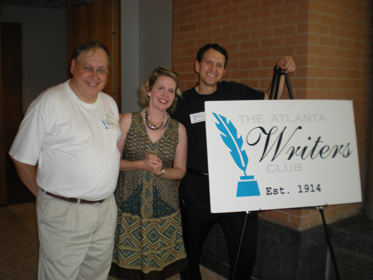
column 76, row 240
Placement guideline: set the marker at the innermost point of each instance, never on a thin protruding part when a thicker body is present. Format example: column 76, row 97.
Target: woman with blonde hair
column 149, row 242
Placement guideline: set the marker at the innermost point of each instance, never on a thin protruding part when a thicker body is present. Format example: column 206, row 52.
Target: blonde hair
column 149, row 83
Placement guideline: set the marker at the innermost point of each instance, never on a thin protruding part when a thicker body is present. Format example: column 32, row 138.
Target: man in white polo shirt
column 66, row 154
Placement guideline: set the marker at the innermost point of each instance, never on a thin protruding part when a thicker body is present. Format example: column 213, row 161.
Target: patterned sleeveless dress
column 148, row 239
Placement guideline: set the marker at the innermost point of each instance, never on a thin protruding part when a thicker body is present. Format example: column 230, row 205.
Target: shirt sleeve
column 248, row 93
column 28, row 141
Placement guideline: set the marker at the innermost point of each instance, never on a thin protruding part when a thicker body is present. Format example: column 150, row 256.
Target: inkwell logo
column 247, row 186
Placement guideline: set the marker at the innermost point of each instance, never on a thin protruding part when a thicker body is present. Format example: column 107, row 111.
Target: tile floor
column 19, row 244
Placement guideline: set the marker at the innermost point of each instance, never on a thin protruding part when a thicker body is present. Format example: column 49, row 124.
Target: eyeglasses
column 161, row 70
column 90, row 70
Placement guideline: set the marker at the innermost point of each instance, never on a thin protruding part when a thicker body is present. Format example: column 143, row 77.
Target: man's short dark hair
column 90, row 45
column 216, row 47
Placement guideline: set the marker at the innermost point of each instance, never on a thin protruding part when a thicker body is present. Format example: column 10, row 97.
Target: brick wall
column 329, row 40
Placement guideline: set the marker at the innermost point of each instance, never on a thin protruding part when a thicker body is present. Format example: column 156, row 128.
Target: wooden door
column 12, row 111
column 97, row 20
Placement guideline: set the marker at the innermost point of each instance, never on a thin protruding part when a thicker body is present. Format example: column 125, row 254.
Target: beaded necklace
column 153, row 126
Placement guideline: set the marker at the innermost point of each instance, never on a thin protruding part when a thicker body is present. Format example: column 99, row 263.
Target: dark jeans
column 198, row 221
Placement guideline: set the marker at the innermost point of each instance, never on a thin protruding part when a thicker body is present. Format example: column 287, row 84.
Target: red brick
column 239, row 74
column 205, row 6
column 319, row 6
column 284, row 30
column 271, row 3
column 251, row 25
column 212, row 14
column 231, row 28
column 195, row 34
column 249, row 64
column 329, row 19
column 261, row 14
column 242, row 17
column 204, row 24
column 261, row 33
column 283, row 51
column 297, row 18
column 231, row 10
column 251, row 5
column 273, row 21
column 222, row 20
column 271, row 42
column 261, row 53
column 221, row 39
column 294, row 40
column 240, row 37
column 215, row 30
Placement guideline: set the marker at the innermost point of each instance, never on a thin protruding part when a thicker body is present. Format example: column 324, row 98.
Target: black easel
column 277, row 73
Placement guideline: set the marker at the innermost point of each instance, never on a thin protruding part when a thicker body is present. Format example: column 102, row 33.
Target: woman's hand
column 153, row 164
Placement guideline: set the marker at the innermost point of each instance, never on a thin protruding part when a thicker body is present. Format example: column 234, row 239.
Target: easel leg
column 277, row 73
column 239, row 246
column 321, row 209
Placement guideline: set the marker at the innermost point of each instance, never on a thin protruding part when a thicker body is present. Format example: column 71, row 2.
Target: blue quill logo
column 232, row 141
column 247, row 186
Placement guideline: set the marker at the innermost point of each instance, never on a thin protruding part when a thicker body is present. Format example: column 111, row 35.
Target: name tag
column 197, row 117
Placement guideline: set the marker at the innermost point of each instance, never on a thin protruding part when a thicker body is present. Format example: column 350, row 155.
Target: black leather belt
column 197, row 172
column 72, row 199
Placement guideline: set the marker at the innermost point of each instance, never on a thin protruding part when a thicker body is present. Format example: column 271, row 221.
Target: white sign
column 281, row 154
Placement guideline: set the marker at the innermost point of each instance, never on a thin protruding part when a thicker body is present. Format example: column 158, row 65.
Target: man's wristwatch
column 163, row 171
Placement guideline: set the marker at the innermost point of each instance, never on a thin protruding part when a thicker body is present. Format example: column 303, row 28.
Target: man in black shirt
column 198, row 220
